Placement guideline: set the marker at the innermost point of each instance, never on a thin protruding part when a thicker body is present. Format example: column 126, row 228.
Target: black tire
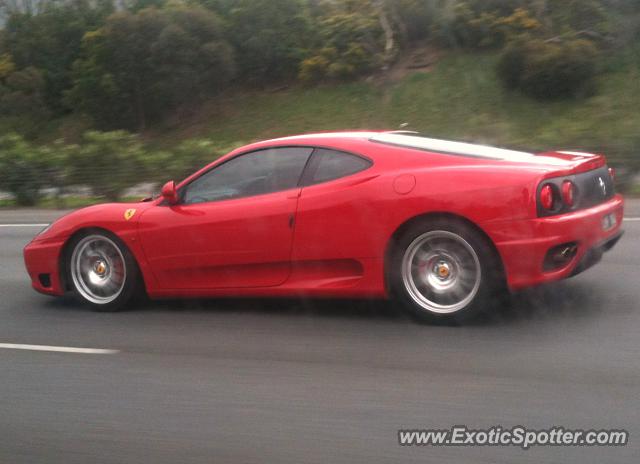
column 447, row 288
column 129, row 287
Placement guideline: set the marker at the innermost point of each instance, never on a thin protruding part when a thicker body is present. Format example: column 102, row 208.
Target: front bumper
column 523, row 245
column 42, row 260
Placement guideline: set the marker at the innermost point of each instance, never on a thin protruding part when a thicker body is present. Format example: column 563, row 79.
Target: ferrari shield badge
column 128, row 214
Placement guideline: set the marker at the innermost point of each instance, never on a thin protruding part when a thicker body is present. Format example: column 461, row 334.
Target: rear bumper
column 42, row 260
column 594, row 255
column 523, row 245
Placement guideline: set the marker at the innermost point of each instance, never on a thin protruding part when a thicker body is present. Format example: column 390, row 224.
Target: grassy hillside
column 460, row 98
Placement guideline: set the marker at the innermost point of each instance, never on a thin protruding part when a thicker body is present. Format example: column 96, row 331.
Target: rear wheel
column 444, row 270
column 102, row 272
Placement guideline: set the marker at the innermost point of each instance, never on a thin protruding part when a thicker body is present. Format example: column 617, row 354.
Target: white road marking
column 632, row 219
column 59, row 349
column 24, row 225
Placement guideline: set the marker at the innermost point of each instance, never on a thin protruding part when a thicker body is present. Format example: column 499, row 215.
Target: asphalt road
column 308, row 381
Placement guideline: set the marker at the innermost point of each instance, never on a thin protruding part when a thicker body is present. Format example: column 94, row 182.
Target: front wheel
column 444, row 270
column 102, row 272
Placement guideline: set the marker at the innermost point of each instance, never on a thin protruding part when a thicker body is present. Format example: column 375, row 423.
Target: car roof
column 319, row 136
column 403, row 139
column 409, row 141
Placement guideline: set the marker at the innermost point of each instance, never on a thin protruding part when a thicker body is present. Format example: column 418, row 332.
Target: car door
column 233, row 225
column 336, row 214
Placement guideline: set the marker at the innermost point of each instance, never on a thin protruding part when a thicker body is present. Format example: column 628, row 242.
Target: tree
column 413, row 19
column 31, row 7
column 21, row 97
column 271, row 37
column 140, row 66
column 49, row 41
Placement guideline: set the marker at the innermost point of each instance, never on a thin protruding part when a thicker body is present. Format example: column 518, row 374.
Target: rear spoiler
column 580, row 162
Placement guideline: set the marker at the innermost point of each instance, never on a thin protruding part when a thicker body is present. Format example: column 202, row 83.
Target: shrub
column 331, row 64
column 470, row 29
column 351, row 43
column 23, row 171
column 549, row 70
column 484, row 25
column 517, row 26
column 511, row 66
column 314, row 69
column 108, row 162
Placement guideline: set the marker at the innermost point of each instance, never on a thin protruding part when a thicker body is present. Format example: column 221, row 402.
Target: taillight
column 546, row 197
column 568, row 192
column 612, row 173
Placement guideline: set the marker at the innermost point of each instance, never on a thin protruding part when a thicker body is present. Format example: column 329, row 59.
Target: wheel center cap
column 442, row 270
column 100, row 267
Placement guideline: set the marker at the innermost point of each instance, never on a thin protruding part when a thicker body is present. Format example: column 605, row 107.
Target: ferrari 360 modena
column 441, row 228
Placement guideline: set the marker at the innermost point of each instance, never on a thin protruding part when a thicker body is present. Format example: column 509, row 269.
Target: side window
column 331, row 164
column 255, row 173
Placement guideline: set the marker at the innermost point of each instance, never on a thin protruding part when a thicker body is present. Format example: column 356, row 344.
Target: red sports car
column 440, row 227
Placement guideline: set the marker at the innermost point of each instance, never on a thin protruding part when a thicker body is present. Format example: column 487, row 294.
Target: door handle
column 292, row 220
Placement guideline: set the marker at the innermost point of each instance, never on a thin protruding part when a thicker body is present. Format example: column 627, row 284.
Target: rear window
column 331, row 164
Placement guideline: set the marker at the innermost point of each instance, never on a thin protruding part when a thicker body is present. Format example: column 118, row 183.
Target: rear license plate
column 609, row 221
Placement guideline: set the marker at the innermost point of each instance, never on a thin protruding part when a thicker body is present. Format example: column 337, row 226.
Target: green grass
column 253, row 116
column 460, row 99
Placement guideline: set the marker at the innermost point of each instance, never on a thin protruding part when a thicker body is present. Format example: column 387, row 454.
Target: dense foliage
column 50, row 41
column 548, row 70
column 270, row 37
column 350, row 43
column 131, row 64
column 141, row 65
column 23, row 169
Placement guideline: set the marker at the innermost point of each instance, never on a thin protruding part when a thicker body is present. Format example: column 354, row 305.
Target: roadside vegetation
column 102, row 96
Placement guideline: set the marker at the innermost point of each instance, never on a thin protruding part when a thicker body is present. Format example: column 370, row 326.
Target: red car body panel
column 245, row 242
column 332, row 238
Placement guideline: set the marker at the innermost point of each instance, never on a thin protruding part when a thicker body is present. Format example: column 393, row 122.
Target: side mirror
column 169, row 192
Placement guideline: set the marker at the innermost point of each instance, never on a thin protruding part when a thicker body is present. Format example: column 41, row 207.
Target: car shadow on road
column 566, row 300
column 289, row 307
column 559, row 300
